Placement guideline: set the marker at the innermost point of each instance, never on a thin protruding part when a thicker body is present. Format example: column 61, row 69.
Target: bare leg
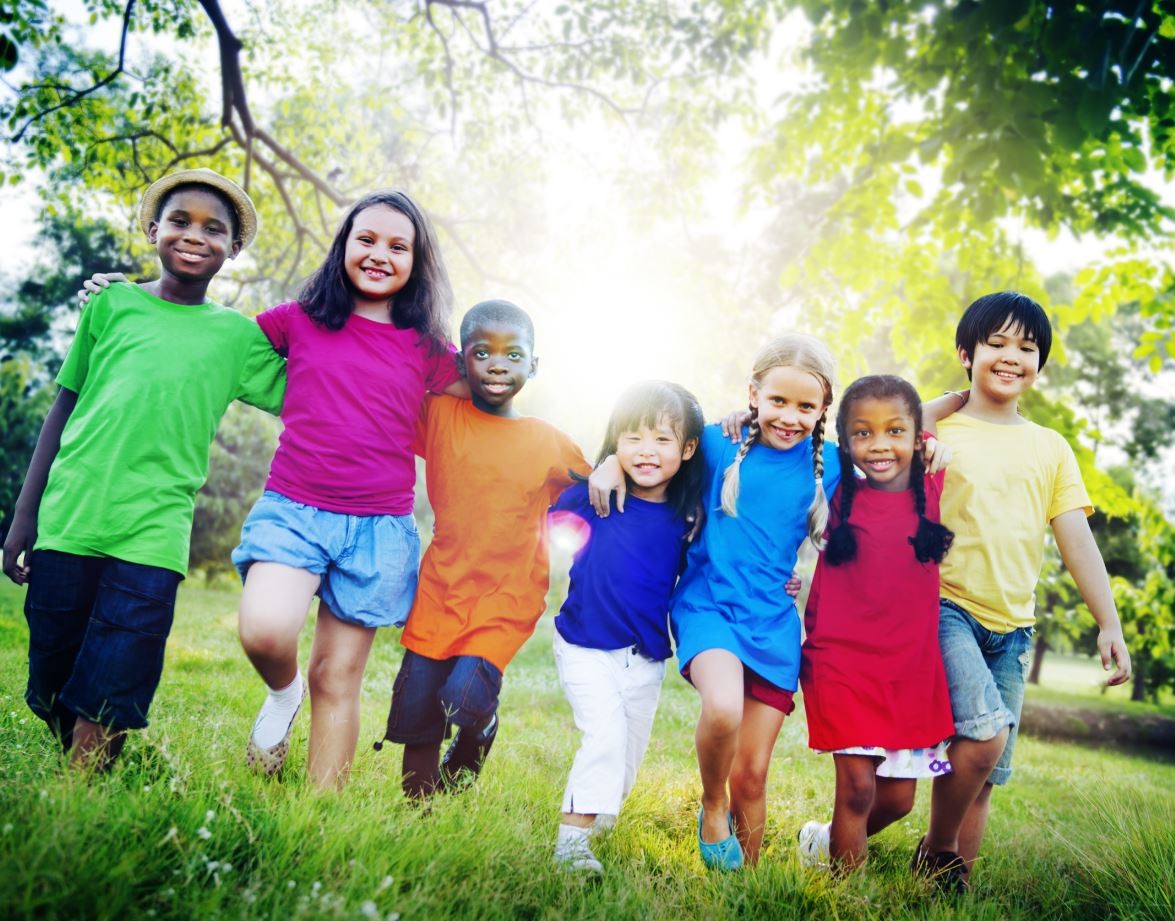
column 274, row 605
column 95, row 746
column 420, row 775
column 856, row 781
column 954, row 794
column 577, row 819
column 971, row 834
column 748, row 777
column 893, row 799
column 337, row 661
column 718, row 676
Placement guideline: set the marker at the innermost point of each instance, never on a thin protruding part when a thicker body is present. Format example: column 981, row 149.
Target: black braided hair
column 932, row 539
column 842, row 543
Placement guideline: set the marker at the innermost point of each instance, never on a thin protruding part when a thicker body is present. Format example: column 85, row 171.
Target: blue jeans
column 430, row 694
column 97, row 629
column 986, row 672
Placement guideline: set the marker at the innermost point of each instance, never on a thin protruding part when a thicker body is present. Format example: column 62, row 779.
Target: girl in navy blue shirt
column 612, row 633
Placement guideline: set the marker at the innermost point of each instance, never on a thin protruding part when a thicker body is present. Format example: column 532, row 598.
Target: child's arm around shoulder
column 934, row 411
column 22, row 536
column 1081, row 556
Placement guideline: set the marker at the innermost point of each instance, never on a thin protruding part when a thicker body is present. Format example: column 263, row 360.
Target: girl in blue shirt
column 737, row 630
column 612, row 636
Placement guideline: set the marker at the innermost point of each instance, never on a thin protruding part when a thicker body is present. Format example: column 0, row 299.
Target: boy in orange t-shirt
column 491, row 475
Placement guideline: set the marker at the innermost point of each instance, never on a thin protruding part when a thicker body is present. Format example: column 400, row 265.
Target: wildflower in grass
column 203, row 833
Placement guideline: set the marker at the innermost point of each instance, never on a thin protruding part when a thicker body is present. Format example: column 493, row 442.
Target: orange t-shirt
column 484, row 577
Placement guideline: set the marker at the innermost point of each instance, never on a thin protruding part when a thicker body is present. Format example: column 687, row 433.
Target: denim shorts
column 430, row 694
column 986, row 672
column 367, row 563
column 97, row 628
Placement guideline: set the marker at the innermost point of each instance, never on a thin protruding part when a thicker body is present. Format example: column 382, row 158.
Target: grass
column 181, row 830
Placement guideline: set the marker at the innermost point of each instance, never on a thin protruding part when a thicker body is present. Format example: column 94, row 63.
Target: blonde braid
column 818, row 510
column 730, row 477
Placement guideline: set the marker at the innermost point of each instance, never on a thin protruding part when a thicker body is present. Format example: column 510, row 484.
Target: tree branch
column 82, row 94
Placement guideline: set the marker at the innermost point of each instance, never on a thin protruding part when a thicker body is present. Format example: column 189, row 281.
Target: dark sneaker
column 946, row 868
column 465, row 756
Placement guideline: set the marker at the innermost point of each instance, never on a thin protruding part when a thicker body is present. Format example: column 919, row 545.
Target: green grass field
column 181, row 830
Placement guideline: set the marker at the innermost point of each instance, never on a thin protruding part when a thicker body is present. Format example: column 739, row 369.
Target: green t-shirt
column 153, row 379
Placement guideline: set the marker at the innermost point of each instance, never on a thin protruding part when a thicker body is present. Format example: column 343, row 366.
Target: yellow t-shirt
column 1004, row 486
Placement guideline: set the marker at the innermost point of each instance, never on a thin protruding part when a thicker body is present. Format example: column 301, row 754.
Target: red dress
column 872, row 671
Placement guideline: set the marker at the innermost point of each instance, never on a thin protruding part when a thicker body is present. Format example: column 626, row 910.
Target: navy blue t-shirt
column 623, row 576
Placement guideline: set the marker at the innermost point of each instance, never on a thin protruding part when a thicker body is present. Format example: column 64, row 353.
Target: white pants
column 613, row 696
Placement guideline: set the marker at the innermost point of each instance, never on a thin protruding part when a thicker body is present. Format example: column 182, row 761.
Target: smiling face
column 789, row 403
column 883, row 437
column 1005, row 364
column 496, row 358
column 651, row 457
column 193, row 235
column 378, row 258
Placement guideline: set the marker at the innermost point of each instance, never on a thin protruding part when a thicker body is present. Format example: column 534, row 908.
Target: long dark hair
column 932, row 540
column 645, row 404
column 424, row 304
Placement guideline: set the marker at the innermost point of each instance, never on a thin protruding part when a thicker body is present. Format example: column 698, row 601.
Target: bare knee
column 721, row 717
column 332, row 678
column 981, row 757
column 748, row 782
column 855, row 793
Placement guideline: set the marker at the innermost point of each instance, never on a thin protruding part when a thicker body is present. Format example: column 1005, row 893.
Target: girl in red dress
column 875, row 691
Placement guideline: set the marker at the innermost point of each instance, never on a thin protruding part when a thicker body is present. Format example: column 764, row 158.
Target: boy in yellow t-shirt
column 1009, row 479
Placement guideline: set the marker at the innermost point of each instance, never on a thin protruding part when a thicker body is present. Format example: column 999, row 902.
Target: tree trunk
column 1138, row 689
column 1038, row 658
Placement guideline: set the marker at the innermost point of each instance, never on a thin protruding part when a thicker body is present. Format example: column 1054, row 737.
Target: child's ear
column 753, row 392
column 153, row 232
column 234, row 250
column 964, row 358
column 689, row 448
column 461, row 369
column 534, row 367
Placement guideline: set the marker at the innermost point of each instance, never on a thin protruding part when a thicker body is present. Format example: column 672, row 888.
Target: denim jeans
column 97, row 629
column 986, row 672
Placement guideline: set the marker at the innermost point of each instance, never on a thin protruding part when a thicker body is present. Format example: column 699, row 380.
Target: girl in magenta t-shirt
column 875, row 691
column 367, row 337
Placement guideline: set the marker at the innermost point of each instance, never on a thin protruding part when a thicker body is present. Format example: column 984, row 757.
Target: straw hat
column 157, row 191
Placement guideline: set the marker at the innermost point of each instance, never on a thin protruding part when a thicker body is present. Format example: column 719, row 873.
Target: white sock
column 278, row 711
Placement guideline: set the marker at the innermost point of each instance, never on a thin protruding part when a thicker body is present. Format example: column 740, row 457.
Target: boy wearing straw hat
column 101, row 528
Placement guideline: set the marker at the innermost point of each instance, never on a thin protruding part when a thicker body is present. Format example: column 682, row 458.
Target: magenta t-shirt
column 352, row 399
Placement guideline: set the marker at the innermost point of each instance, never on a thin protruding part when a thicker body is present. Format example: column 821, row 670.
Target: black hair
column 993, row 312
column 234, row 218
column 645, row 404
column 496, row 311
column 425, row 302
column 932, row 540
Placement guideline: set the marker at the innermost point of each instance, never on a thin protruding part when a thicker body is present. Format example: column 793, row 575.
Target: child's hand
column 1111, row 645
column 732, row 425
column 606, row 479
column 96, row 283
column 936, row 456
column 18, row 546
column 793, row 585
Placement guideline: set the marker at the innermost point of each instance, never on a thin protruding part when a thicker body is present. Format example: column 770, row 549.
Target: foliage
column 238, row 462
column 1147, row 608
column 22, row 408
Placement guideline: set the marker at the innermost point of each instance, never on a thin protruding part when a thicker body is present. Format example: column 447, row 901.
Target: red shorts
column 759, row 688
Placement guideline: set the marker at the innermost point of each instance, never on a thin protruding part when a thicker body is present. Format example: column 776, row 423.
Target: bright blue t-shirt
column 732, row 595
column 623, row 575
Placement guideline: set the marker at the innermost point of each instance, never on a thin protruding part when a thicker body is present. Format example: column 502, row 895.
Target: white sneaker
column 813, row 844
column 573, row 852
